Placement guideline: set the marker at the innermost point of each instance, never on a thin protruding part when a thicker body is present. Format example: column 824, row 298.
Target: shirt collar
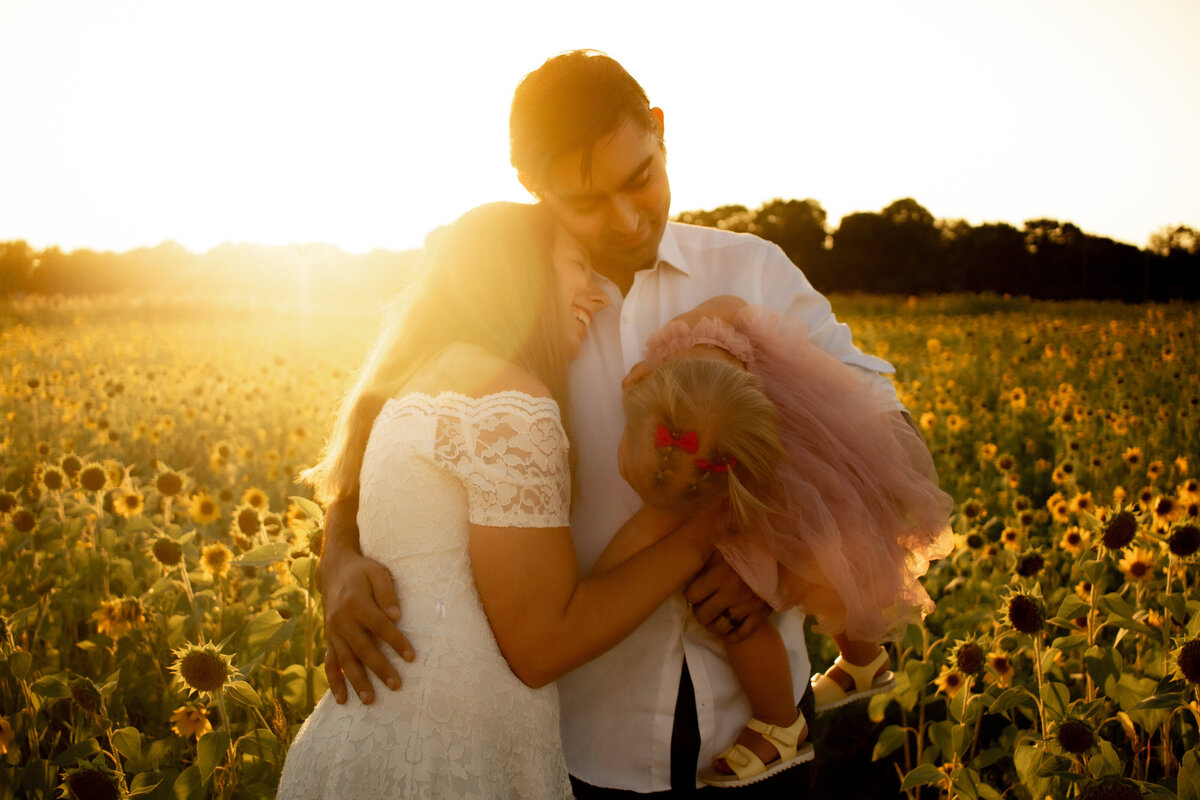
column 669, row 252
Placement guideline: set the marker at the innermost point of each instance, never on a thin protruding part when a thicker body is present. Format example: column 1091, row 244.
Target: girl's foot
column 858, row 682
column 757, row 744
column 845, row 680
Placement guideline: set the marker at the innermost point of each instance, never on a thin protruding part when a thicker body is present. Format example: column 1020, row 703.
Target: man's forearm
column 340, row 538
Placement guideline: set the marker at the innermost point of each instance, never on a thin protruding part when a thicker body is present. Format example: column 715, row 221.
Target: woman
column 456, row 427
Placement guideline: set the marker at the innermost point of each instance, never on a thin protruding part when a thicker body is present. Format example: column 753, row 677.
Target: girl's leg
column 761, row 665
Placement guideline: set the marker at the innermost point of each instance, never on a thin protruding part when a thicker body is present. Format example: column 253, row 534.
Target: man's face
column 620, row 212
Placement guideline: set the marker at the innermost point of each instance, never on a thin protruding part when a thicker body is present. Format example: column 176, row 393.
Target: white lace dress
column 462, row 725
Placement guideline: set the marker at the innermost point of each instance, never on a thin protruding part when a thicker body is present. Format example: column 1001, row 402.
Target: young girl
column 833, row 495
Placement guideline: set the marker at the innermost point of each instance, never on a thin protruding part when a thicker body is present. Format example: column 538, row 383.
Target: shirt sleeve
column 787, row 291
column 511, row 457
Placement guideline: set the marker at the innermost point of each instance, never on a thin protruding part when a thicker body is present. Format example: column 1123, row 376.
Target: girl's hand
column 705, row 527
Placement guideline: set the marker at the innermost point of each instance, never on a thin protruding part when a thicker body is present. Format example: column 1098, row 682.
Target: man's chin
column 634, row 258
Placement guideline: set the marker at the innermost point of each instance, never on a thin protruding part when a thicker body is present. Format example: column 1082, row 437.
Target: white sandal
column 828, row 694
column 748, row 768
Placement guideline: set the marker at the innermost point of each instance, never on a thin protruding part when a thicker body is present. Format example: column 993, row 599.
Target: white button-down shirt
column 618, row 710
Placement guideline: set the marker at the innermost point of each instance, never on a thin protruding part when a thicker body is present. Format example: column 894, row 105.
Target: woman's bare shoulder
column 475, row 371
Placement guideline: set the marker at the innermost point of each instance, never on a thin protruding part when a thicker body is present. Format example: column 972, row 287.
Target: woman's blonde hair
column 739, row 424
column 486, row 279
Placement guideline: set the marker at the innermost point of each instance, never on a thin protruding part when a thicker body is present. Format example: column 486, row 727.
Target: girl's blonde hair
column 486, row 279
column 738, row 422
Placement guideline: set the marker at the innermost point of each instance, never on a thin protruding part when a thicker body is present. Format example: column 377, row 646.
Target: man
column 644, row 716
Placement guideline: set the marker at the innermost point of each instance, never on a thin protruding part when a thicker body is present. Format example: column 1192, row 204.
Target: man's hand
column 361, row 608
column 723, row 603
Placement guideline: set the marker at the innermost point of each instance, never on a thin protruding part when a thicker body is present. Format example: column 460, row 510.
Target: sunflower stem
column 228, row 723
column 1091, row 621
column 187, row 588
column 1037, row 664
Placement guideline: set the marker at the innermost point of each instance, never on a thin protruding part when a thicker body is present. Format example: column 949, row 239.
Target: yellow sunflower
column 950, row 681
column 1132, row 456
column 1074, row 540
column 255, row 498
column 1165, row 510
column 118, row 616
column 203, row 509
column 215, row 560
column 1138, row 564
column 129, row 504
column 190, row 720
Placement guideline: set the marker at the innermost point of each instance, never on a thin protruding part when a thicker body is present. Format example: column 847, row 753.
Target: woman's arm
column 547, row 620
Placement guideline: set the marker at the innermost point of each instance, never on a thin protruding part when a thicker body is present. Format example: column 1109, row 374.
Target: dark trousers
column 791, row 784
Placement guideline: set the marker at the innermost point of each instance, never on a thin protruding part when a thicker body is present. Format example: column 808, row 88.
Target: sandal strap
column 743, row 761
column 783, row 739
column 864, row 675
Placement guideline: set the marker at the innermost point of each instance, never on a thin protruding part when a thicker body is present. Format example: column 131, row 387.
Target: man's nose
column 623, row 216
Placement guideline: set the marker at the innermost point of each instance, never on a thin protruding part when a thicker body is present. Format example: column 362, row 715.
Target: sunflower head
column 1075, row 736
column 255, row 498
column 1184, row 541
column 90, row 781
column 93, row 478
column 1030, row 564
column 1074, row 539
column 1165, row 510
column 203, row 509
column 120, row 615
column 70, row 464
column 202, row 669
column 1024, row 612
column 53, row 478
column 1001, row 665
column 1138, row 564
column 968, row 657
column 129, row 503
column 215, row 560
column 166, row 551
column 169, row 483
column 86, row 696
column 951, row 681
column 1187, row 661
column 1119, row 530
column 247, row 520
column 190, row 720
column 23, row 520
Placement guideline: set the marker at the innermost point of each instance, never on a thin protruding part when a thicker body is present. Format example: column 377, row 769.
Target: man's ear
column 658, row 115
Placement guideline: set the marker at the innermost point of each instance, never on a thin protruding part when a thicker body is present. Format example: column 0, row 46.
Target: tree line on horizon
column 902, row 249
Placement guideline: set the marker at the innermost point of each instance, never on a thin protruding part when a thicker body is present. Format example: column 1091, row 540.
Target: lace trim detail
column 678, row 335
column 508, row 448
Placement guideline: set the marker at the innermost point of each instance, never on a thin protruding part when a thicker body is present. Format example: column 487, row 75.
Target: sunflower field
column 160, row 633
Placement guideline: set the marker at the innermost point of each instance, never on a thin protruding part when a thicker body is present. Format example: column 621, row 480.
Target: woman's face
column 577, row 285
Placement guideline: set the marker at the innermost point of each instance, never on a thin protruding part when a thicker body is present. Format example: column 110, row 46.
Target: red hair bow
column 689, row 441
column 718, row 465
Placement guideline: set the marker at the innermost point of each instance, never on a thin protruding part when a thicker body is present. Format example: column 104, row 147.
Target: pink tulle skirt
column 856, row 512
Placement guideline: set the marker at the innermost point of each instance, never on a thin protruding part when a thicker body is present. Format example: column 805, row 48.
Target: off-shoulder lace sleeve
column 510, row 451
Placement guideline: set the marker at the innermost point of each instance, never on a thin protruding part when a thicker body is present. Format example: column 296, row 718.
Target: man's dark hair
column 570, row 103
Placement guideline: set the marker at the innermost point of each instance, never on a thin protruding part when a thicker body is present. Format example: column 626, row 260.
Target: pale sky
column 365, row 123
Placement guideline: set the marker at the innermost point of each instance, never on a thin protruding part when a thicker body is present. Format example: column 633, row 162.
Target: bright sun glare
column 368, row 125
